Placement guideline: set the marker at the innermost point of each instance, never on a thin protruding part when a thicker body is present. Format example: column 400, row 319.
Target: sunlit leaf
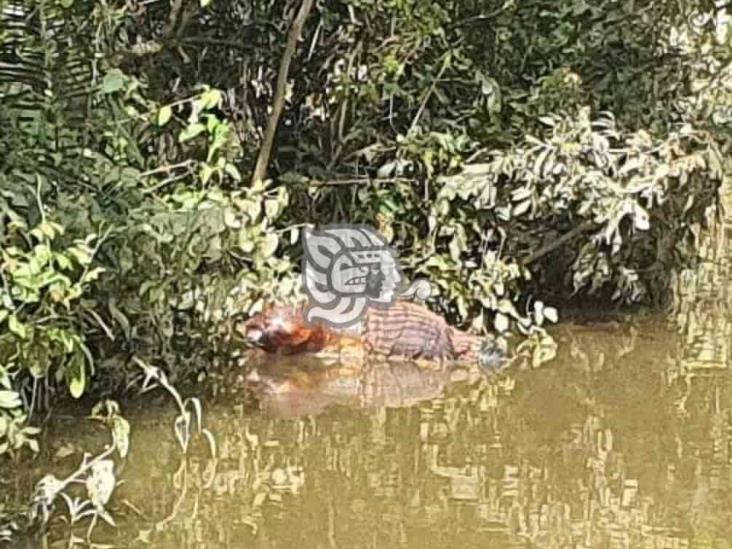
column 269, row 245
column 113, row 81
column 233, row 171
column 521, row 208
column 76, row 376
column 500, row 322
column 211, row 98
column 641, row 219
column 164, row 115
column 191, row 131
column 550, row 313
column 9, row 399
column 17, row 327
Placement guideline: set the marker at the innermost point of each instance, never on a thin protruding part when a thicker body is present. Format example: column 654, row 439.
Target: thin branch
column 175, row 7
column 210, row 41
column 260, row 169
column 358, row 181
column 430, row 91
column 167, row 168
column 553, row 245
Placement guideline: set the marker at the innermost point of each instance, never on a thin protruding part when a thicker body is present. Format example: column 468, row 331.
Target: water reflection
column 298, row 386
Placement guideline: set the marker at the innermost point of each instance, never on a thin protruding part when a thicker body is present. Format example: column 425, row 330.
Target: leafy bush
column 104, row 246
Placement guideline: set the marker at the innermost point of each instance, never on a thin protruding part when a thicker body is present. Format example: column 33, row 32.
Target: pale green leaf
column 550, row 313
column 16, row 326
column 113, row 81
column 271, row 240
column 191, row 131
column 76, row 375
column 164, row 115
column 500, row 322
column 9, row 400
column 233, row 172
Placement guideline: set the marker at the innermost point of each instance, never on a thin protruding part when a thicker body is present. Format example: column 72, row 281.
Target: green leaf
column 211, row 98
column 164, row 115
column 548, row 120
column 205, row 3
column 294, row 236
column 206, row 173
column 521, row 208
column 272, row 208
column 641, row 219
column 246, row 244
column 63, row 262
column 76, row 376
column 500, row 322
column 9, row 400
column 544, row 352
column 454, row 248
column 81, row 253
column 33, row 445
column 212, row 125
column 113, row 81
column 550, row 313
column 16, row 326
column 269, row 246
column 191, row 131
column 94, row 274
column 232, row 171
column 507, row 308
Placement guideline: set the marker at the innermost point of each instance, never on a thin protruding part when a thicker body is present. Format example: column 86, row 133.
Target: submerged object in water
column 403, row 331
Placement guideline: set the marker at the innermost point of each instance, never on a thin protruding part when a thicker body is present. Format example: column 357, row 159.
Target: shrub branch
column 260, row 168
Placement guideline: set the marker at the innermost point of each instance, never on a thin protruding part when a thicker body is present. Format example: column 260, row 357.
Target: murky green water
column 622, row 441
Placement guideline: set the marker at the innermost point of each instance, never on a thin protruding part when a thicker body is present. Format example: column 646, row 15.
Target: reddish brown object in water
column 405, row 330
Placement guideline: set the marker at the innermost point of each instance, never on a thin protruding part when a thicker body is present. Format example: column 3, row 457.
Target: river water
column 623, row 440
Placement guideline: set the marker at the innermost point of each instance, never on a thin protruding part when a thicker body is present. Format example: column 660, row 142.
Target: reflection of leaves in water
column 99, row 486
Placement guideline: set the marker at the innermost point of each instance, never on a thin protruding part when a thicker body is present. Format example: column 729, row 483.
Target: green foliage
column 638, row 200
column 106, row 248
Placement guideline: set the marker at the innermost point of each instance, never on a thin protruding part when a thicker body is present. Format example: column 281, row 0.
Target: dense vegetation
column 513, row 152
